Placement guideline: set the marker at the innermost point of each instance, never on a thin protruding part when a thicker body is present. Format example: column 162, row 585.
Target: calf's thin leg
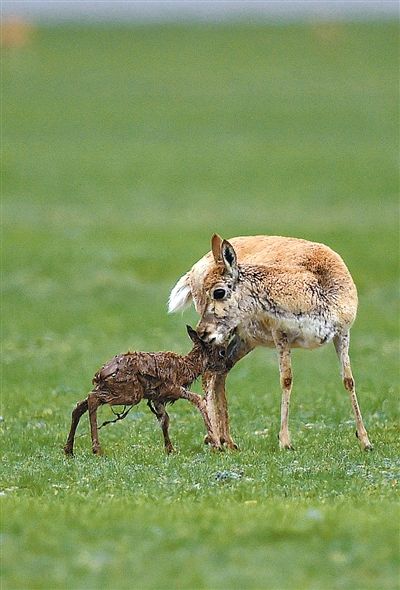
column 78, row 411
column 342, row 343
column 93, row 404
column 163, row 419
column 286, row 380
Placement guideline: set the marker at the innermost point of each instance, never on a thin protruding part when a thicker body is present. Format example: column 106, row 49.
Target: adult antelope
column 271, row 291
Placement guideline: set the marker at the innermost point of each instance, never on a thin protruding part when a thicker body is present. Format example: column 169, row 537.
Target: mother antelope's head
column 221, row 296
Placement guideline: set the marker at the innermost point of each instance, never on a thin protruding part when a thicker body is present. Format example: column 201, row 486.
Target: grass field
column 124, row 149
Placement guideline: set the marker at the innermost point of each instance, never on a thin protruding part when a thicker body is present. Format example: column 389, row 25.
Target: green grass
column 124, row 149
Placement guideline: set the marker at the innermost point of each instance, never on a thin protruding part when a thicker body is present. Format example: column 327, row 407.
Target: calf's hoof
column 68, row 451
column 169, row 449
column 97, row 450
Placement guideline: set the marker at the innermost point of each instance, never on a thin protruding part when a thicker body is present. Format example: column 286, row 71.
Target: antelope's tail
column 181, row 295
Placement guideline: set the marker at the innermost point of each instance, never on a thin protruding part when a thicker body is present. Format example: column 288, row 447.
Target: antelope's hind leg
column 286, row 380
column 78, row 411
column 342, row 343
column 163, row 419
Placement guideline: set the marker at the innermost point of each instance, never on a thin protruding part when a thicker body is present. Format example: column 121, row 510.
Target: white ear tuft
column 181, row 295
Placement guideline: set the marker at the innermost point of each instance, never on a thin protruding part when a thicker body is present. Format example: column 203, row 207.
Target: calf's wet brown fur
column 158, row 377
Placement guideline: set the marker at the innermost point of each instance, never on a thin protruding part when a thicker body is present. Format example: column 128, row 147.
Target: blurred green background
column 124, row 150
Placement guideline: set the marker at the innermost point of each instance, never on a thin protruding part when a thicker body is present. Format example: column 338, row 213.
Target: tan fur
column 288, row 269
column 280, row 292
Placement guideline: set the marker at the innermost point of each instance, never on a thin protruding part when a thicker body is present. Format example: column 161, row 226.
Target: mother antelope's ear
column 216, row 243
column 229, row 258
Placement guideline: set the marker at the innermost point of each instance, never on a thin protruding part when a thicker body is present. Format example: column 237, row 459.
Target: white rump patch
column 180, row 296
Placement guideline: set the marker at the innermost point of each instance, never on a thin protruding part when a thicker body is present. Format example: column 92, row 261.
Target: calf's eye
column 222, row 353
column 219, row 293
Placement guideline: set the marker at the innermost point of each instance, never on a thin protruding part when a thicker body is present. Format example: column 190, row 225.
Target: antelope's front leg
column 215, row 396
column 285, row 371
column 217, row 408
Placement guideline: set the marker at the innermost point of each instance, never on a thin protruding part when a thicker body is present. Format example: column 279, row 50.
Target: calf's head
column 214, row 357
column 222, row 301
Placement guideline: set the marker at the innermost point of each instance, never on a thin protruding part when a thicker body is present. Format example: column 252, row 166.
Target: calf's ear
column 229, row 259
column 194, row 337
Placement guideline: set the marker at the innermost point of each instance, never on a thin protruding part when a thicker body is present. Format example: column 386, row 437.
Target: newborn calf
column 159, row 377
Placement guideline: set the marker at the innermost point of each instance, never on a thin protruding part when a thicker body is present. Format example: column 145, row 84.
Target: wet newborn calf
column 159, row 377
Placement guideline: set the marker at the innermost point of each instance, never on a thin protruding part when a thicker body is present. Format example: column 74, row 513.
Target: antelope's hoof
column 285, row 443
column 207, row 439
column 97, row 451
column 229, row 443
column 217, row 448
column 169, row 449
column 367, row 446
column 68, row 451
column 286, row 447
column 215, row 443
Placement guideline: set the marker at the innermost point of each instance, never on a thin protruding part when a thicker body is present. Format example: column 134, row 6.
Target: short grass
column 124, row 149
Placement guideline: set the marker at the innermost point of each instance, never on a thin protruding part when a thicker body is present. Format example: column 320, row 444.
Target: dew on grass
column 10, row 490
column 38, row 425
column 314, row 514
column 228, row 475
column 338, row 557
column 95, row 560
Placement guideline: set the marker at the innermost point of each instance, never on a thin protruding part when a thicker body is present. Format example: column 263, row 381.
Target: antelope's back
column 291, row 255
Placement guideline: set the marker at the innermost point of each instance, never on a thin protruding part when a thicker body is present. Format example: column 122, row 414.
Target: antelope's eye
column 222, row 353
column 219, row 293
